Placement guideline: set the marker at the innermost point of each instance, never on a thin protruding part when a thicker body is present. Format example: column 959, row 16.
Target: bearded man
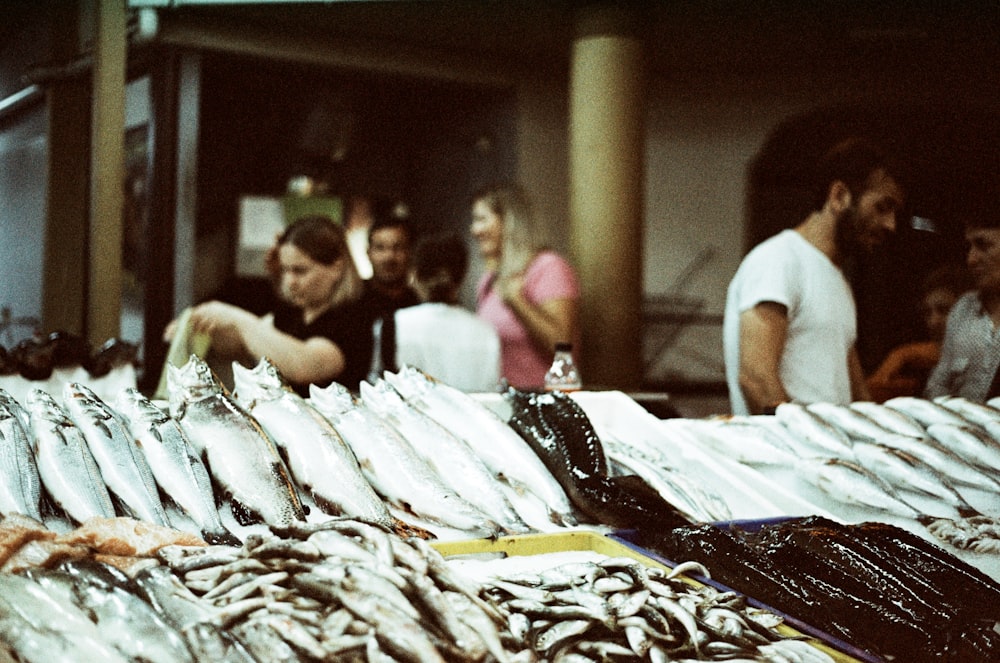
column 790, row 322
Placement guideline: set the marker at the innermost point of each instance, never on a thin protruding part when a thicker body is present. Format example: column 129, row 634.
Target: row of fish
column 883, row 589
column 910, row 457
column 410, row 452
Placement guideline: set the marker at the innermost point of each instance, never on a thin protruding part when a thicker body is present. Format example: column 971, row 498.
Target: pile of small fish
column 885, row 456
column 339, row 590
column 617, row 608
column 874, row 585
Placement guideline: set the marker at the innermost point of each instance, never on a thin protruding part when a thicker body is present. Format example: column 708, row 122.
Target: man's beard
column 847, row 232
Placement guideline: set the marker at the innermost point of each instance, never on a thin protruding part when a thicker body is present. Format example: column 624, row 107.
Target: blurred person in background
column 438, row 336
column 970, row 353
column 316, row 336
column 529, row 293
column 790, row 322
column 905, row 370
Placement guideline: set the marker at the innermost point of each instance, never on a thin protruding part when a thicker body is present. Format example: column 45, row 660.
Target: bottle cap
column 563, row 346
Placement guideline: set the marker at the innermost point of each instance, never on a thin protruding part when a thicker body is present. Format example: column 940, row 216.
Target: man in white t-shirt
column 790, row 322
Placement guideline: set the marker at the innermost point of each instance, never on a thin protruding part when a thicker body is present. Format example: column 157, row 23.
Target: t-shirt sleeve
column 550, row 276
column 767, row 276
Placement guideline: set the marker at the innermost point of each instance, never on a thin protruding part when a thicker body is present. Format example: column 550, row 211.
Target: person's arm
column 547, row 323
column 859, row 387
column 315, row 359
column 763, row 330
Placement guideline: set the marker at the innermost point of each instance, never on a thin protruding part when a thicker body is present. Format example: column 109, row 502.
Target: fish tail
column 221, row 537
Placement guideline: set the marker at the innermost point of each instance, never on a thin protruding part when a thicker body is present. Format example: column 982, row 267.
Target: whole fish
column 27, row 602
column 394, row 468
column 240, row 457
column 747, row 440
column 66, row 465
column 907, row 472
column 820, row 437
column 177, row 468
column 124, row 467
column 854, row 423
column 318, row 458
column 945, row 461
column 978, row 413
column 125, row 621
column 497, row 444
column 20, row 485
column 892, row 419
column 925, row 411
column 451, row 457
column 971, row 443
column 852, row 484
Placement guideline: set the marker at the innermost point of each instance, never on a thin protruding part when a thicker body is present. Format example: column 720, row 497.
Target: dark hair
column 951, row 277
column 318, row 236
column 386, row 214
column 439, row 265
column 852, row 161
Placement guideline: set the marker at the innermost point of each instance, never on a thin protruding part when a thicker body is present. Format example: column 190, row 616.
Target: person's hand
column 214, row 317
column 170, row 331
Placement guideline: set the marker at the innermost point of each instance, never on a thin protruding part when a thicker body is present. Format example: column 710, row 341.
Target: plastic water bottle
column 563, row 375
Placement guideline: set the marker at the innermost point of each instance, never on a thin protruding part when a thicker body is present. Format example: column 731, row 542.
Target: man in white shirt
column 790, row 322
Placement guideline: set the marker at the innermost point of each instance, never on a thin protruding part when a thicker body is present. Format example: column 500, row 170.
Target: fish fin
column 243, row 514
column 221, row 538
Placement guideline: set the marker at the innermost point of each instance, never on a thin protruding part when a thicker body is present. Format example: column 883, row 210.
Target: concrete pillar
column 606, row 153
column 107, row 168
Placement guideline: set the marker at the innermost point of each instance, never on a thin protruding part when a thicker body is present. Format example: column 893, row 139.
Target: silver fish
column 925, row 411
column 448, row 454
column 25, row 600
column 852, row 484
column 125, row 469
column 241, row 458
column 820, row 437
column 178, row 470
column 66, row 465
column 497, row 444
column 978, row 413
column 971, row 443
column 855, row 424
column 894, row 420
column 907, row 472
column 747, row 440
column 125, row 621
column 401, row 475
column 20, row 485
column 318, row 458
column 944, row 460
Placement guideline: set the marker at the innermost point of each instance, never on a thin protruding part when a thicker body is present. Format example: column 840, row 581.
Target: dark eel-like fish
column 559, row 431
column 874, row 585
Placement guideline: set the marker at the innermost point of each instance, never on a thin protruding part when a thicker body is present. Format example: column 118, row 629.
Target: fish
column 983, row 415
column 854, row 423
column 820, row 437
column 241, row 459
column 945, row 461
column 125, row 621
column 394, row 468
column 125, row 469
column 176, row 467
column 971, row 443
column 925, row 411
column 66, row 466
column 853, row 484
column 27, row 602
column 501, row 449
column 908, row 472
column 894, row 420
column 317, row 456
column 450, row 456
column 20, row 485
column 748, row 440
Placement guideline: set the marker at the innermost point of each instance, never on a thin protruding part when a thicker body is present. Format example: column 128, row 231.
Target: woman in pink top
column 529, row 293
